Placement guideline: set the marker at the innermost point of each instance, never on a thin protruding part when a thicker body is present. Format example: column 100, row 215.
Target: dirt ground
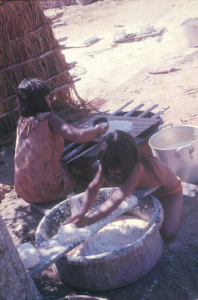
column 119, row 74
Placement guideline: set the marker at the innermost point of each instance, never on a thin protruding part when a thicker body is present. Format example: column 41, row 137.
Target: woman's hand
column 80, row 220
column 83, row 221
column 101, row 129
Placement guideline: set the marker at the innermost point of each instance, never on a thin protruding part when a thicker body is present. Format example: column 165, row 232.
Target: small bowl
column 101, row 121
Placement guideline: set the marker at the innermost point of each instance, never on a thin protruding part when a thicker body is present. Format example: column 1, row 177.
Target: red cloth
column 39, row 176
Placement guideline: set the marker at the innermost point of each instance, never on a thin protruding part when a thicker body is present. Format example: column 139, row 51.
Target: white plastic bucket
column 190, row 29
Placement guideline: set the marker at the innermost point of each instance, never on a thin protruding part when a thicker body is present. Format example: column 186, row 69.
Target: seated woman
column 40, row 176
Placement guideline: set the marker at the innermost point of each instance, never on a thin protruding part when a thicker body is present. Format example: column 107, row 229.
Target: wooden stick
column 9, row 112
column 147, row 111
column 164, row 71
column 121, row 108
column 67, row 110
column 143, row 36
column 32, row 59
column 8, row 98
column 129, row 37
column 133, row 110
column 75, row 151
column 14, row 96
column 155, row 116
column 7, row 2
column 51, row 78
column 63, row 86
column 69, row 146
column 81, row 154
column 135, row 37
column 25, row 34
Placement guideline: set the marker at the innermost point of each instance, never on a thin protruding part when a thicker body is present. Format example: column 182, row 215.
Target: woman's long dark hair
column 118, row 154
column 31, row 95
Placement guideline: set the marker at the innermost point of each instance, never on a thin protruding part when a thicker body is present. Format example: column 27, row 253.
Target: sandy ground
column 119, row 74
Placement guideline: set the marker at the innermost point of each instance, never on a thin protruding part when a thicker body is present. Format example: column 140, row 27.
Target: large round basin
column 113, row 269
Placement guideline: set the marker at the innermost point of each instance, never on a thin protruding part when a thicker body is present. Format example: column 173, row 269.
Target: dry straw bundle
column 28, row 49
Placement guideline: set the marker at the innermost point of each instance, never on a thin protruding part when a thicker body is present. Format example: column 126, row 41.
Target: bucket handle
column 191, row 150
column 164, row 125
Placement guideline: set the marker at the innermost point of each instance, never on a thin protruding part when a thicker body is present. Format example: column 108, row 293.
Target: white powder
column 70, row 234
column 122, row 231
column 29, row 255
column 123, row 125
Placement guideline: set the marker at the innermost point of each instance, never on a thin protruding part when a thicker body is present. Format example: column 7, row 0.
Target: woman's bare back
column 158, row 175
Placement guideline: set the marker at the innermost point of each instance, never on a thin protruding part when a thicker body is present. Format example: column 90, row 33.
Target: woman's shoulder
column 164, row 172
column 43, row 116
column 153, row 166
column 138, row 171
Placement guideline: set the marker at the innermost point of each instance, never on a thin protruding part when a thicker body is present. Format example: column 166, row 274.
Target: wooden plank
column 114, row 113
column 95, row 140
column 139, row 125
column 52, row 250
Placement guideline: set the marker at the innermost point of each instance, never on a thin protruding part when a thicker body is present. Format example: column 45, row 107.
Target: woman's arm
column 58, row 126
column 118, row 196
column 89, row 197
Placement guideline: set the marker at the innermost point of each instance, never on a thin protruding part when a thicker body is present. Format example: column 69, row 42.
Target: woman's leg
column 172, row 206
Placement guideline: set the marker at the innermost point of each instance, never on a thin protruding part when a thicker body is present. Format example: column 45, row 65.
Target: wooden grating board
column 139, row 124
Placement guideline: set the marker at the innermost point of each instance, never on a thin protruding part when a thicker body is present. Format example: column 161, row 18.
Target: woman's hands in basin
column 80, row 220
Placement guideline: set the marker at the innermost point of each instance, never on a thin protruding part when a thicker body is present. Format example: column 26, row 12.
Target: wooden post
column 15, row 282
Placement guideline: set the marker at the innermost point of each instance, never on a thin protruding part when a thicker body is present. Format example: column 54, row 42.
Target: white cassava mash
column 70, row 233
column 29, row 255
column 124, row 125
column 119, row 233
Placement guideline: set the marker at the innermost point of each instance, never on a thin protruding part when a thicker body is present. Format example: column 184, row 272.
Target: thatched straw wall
column 29, row 49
